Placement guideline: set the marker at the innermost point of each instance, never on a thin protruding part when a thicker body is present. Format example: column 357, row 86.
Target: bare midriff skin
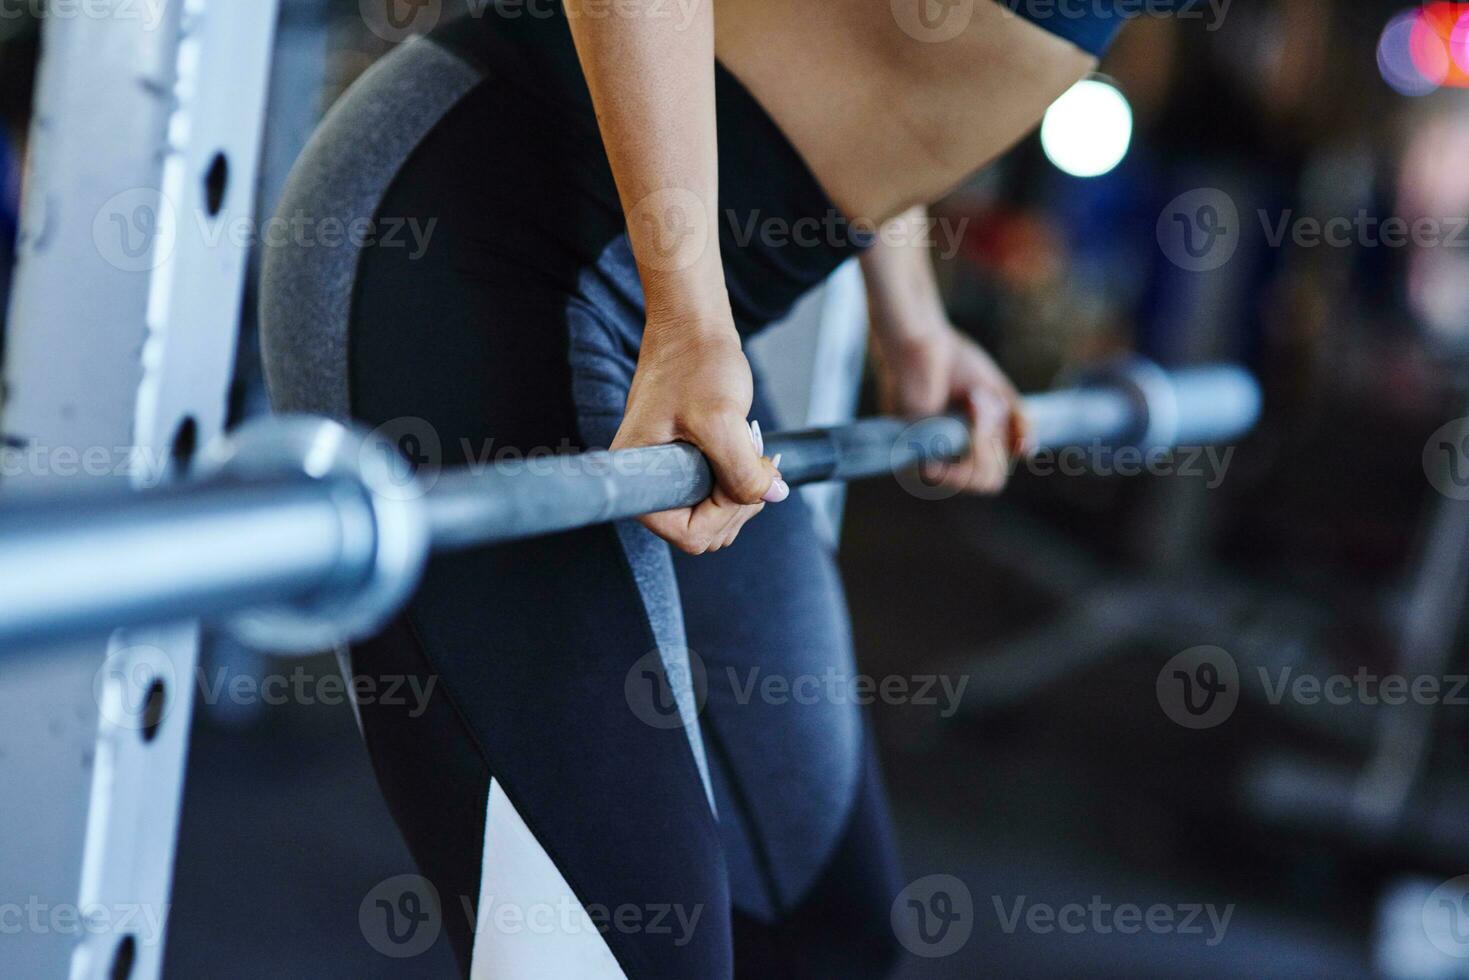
column 887, row 121
column 891, row 103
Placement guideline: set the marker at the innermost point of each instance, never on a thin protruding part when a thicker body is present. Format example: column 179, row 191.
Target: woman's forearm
column 651, row 77
column 903, row 299
column 925, row 366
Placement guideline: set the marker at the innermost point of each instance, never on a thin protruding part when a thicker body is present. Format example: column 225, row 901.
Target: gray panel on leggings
column 342, row 174
column 602, row 367
column 306, row 296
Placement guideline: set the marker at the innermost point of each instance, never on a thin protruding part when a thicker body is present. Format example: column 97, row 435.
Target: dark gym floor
column 1082, row 790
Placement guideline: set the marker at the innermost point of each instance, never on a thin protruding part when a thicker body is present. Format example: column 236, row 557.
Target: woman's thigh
column 768, row 623
column 536, row 649
column 560, row 665
column 802, row 813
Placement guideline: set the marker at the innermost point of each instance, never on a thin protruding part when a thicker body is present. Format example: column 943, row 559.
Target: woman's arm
column 903, row 299
column 926, row 366
column 651, row 76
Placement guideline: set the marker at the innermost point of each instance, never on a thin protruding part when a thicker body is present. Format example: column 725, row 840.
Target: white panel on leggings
column 530, row 924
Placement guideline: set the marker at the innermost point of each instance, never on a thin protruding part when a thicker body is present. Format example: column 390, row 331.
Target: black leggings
column 610, row 690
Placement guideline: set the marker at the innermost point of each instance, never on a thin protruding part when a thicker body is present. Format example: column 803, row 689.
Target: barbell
column 299, row 533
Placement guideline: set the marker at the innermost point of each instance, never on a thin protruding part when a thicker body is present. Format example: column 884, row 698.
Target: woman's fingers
column 692, row 530
column 734, row 448
column 735, row 516
column 710, row 526
column 744, row 483
column 993, row 439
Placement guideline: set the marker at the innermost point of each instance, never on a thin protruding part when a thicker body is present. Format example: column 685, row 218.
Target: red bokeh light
column 1440, row 44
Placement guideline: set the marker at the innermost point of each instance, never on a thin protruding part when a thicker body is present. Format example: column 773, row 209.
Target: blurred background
column 1332, row 543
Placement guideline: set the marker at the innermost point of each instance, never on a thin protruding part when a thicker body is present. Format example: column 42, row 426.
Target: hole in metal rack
column 154, row 706
column 123, row 959
column 216, row 184
column 183, row 446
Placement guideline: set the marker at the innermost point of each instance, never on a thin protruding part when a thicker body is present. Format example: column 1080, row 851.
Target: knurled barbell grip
column 510, row 500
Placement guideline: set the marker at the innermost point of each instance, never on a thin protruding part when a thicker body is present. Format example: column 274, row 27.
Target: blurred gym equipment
column 145, row 138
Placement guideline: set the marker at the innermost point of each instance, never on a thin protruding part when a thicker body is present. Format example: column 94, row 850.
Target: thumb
column 739, row 470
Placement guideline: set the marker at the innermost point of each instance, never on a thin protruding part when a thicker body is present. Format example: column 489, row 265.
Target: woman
column 599, row 189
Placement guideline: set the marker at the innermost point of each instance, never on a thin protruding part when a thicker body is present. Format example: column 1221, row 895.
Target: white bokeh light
column 1087, row 131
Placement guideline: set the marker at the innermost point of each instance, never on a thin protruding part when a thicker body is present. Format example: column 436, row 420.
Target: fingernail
column 757, row 437
column 776, row 461
column 779, row 491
